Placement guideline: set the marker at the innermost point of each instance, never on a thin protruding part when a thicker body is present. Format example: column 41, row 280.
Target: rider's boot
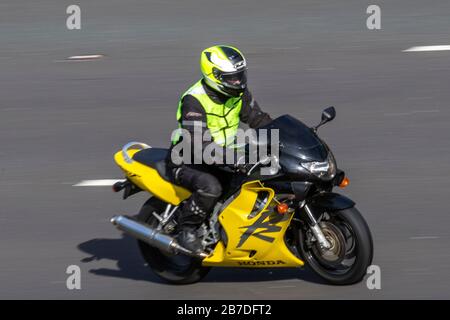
column 188, row 238
column 189, row 220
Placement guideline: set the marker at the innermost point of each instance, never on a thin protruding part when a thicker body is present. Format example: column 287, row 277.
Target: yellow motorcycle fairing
column 255, row 239
column 148, row 179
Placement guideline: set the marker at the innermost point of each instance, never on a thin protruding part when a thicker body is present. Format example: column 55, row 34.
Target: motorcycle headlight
column 322, row 169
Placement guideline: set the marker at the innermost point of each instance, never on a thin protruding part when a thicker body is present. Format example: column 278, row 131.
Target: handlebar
column 265, row 161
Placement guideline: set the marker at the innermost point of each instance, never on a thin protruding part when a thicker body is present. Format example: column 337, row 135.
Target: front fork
column 314, row 226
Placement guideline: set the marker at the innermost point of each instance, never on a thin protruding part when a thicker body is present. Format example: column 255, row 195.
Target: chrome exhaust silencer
column 152, row 237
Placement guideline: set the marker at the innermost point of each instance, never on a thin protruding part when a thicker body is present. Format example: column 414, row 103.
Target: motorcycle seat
column 156, row 159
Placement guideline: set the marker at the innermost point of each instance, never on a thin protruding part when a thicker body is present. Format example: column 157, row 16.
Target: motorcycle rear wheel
column 176, row 269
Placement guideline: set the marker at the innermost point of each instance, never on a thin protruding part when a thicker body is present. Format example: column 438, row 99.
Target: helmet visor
column 235, row 80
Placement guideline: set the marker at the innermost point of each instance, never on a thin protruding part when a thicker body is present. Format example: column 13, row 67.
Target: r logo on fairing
column 268, row 226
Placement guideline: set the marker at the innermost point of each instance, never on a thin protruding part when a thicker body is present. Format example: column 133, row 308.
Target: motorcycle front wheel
column 173, row 268
column 351, row 249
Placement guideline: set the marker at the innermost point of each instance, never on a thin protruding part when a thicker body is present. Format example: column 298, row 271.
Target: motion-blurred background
column 61, row 121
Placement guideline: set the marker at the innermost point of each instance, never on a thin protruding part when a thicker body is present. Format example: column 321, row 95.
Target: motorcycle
column 287, row 219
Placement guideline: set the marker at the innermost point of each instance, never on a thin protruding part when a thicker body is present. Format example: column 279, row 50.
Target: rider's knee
column 210, row 186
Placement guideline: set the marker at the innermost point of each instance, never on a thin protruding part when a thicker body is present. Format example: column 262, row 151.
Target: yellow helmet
column 224, row 69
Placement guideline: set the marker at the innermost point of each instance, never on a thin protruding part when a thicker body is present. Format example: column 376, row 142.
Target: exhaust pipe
column 152, row 237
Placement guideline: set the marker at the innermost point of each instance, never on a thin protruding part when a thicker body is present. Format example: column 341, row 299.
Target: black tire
column 176, row 269
column 361, row 250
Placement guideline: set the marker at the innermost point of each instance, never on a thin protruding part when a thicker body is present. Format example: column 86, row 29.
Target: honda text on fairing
column 286, row 219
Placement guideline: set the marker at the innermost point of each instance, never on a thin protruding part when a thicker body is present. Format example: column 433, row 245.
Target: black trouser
column 206, row 190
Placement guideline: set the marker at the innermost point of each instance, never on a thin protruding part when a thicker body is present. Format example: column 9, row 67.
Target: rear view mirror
column 327, row 115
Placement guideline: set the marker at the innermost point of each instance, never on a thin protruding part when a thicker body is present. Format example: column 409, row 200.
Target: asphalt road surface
column 61, row 121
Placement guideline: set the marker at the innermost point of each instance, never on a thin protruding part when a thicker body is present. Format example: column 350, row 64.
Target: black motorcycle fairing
column 301, row 189
column 330, row 201
column 297, row 144
column 279, row 186
column 298, row 140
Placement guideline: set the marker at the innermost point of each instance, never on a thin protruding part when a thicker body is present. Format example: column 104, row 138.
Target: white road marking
column 428, row 48
column 86, row 57
column 424, row 238
column 97, row 183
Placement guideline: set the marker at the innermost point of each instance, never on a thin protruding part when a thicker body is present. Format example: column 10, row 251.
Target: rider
column 217, row 102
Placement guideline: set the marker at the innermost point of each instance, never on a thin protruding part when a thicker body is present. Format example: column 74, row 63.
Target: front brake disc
column 333, row 256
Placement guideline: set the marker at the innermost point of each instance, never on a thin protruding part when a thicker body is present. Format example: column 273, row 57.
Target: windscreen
column 297, row 139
